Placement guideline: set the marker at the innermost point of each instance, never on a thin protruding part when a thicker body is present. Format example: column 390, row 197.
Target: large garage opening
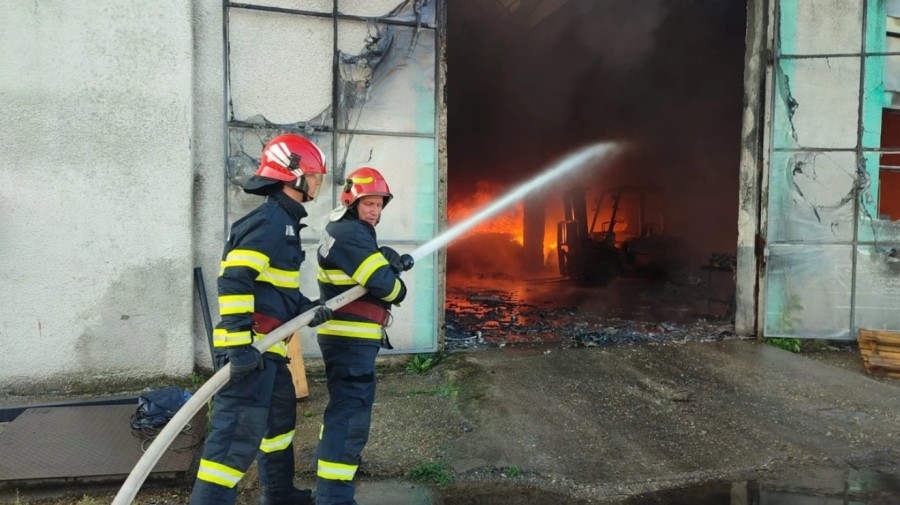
column 643, row 247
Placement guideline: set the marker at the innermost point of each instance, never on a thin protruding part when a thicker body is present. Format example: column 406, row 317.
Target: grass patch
column 198, row 379
column 432, row 473
column 788, row 344
column 512, row 471
column 420, row 363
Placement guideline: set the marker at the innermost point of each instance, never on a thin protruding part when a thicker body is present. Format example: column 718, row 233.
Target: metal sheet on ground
column 90, row 444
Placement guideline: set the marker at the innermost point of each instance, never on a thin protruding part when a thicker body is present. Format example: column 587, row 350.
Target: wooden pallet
column 880, row 350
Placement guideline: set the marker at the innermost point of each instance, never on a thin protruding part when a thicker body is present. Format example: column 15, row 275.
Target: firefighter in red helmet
column 349, row 255
column 254, row 415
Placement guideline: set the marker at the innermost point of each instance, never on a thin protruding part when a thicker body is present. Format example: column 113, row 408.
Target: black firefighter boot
column 293, row 497
column 276, row 476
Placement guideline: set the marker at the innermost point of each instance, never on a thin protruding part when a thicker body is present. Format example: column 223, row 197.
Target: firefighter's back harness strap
column 368, row 310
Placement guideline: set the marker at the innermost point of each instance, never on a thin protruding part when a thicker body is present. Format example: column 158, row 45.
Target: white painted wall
column 112, row 178
column 209, row 163
column 96, row 191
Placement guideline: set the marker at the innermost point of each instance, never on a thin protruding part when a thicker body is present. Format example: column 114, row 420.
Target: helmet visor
column 313, row 183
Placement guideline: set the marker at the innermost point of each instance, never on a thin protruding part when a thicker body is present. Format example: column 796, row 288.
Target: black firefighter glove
column 244, row 360
column 398, row 263
column 321, row 315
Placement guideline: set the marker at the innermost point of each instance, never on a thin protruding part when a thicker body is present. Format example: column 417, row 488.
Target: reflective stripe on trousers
column 254, row 418
column 350, row 371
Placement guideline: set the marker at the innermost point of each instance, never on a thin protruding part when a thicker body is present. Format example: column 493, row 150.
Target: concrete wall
column 96, row 190
column 112, row 179
column 209, row 160
column 755, row 70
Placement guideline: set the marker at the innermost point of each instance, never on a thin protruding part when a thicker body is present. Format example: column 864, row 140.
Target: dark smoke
column 664, row 75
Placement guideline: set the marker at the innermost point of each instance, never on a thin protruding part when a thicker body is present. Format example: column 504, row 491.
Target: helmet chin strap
column 300, row 183
column 302, row 186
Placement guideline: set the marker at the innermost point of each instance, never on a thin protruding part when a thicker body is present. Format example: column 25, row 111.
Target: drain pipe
column 204, row 309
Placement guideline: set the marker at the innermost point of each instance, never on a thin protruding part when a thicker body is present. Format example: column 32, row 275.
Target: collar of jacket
column 294, row 209
column 351, row 216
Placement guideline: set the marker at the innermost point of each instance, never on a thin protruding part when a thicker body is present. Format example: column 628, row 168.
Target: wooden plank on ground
column 888, row 352
column 880, row 336
column 885, row 363
column 880, row 351
column 298, row 371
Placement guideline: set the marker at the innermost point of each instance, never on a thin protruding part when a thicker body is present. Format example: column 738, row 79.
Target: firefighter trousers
column 253, row 418
column 350, row 372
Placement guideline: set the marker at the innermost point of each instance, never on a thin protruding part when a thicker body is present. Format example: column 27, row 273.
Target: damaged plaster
column 378, row 108
column 831, row 264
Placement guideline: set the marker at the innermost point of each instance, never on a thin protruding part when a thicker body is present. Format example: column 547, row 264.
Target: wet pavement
column 631, row 419
column 877, row 484
column 686, row 417
column 870, row 486
column 731, row 422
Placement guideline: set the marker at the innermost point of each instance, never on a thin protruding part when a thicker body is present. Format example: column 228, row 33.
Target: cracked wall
column 377, row 107
column 829, row 265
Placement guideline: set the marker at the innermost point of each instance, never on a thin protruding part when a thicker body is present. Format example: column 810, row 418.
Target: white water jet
column 579, row 159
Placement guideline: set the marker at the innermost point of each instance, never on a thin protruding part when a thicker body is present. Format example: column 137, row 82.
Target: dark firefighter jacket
column 259, row 278
column 348, row 255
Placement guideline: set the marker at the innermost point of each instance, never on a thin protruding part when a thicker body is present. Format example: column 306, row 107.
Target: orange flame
column 508, row 222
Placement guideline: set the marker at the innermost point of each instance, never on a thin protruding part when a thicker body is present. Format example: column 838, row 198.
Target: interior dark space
column 650, row 237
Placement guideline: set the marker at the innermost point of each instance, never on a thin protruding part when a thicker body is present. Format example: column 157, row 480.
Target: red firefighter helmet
column 286, row 159
column 362, row 182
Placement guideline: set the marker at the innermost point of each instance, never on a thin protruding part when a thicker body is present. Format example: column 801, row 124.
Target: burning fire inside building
column 642, row 249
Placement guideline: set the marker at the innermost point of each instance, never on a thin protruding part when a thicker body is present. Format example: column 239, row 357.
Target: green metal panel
column 823, row 182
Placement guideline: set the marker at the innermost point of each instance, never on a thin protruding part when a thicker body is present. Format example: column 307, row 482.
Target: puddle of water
column 864, row 487
column 496, row 494
column 871, row 486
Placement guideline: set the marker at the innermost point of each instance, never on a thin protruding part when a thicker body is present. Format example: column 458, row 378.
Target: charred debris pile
column 491, row 316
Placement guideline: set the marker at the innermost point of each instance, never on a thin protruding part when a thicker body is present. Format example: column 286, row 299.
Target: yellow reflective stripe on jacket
column 279, row 348
column 394, row 292
column 335, row 471
column 368, row 267
column 218, row 473
column 279, row 443
column 280, row 278
column 224, row 338
column 245, row 258
column 235, row 304
column 356, row 329
column 336, row 277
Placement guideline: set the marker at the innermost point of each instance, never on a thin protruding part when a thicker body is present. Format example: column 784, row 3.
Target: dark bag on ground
column 155, row 408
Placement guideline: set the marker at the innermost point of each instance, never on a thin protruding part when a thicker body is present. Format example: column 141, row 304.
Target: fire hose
column 173, row 428
column 138, row 475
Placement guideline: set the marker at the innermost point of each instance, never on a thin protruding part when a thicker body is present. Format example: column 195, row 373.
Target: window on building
column 889, row 169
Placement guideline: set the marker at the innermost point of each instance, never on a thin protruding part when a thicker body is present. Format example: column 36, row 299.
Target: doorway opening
column 648, row 242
